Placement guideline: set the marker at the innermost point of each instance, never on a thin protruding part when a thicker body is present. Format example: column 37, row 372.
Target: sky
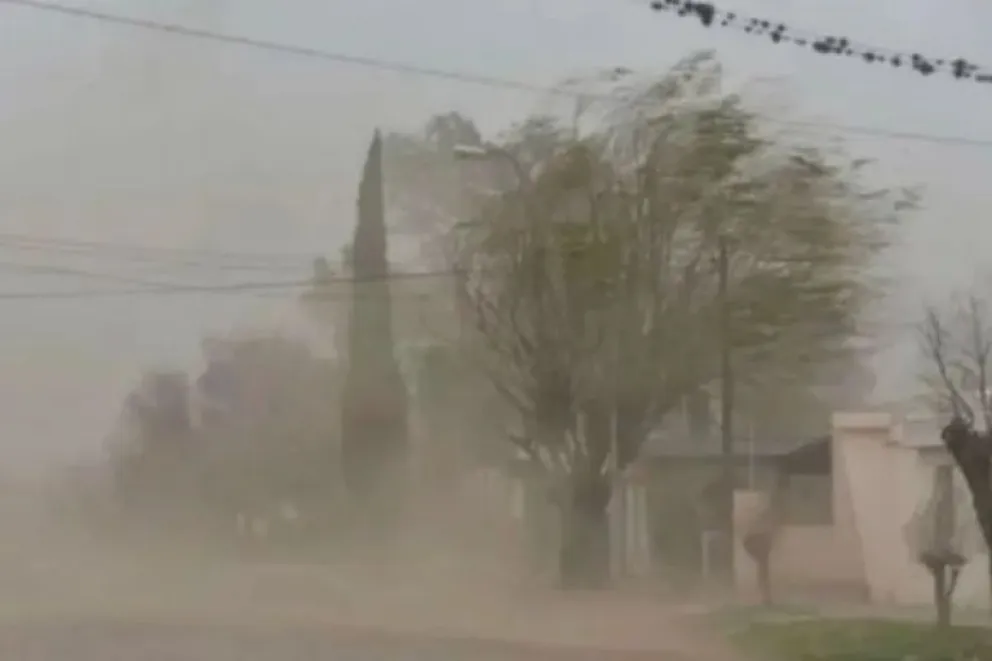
column 116, row 135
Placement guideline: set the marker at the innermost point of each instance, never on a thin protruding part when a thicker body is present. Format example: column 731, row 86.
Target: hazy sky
column 111, row 134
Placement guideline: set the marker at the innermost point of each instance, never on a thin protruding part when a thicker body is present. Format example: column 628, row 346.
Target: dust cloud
column 184, row 145
column 122, row 137
column 445, row 587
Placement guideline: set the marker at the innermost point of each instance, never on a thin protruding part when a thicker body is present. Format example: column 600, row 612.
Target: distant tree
column 462, row 414
column 153, row 450
column 593, row 287
column 374, row 404
column 428, row 190
column 253, row 431
column 268, row 433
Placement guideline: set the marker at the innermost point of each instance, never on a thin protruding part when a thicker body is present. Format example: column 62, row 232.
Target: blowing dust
column 453, row 574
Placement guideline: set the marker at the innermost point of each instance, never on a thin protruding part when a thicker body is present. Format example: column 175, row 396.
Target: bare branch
column 979, row 353
column 936, row 343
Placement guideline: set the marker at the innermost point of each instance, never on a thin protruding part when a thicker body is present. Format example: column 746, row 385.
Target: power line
column 153, row 290
column 321, row 290
column 23, row 241
column 277, row 47
column 177, row 264
column 709, row 15
column 178, row 261
column 452, row 75
column 47, row 269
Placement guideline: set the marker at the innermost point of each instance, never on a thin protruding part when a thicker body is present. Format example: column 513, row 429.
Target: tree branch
column 979, row 353
column 935, row 342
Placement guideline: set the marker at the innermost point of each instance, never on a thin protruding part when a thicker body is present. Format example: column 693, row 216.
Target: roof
column 674, row 446
column 921, row 433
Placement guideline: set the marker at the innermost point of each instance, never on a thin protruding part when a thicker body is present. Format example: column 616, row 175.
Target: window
column 808, row 500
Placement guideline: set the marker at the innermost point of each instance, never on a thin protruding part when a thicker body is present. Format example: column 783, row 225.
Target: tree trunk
column 758, row 545
column 765, row 581
column 941, row 598
column 971, row 452
column 988, row 550
column 983, row 508
column 981, row 493
column 584, row 551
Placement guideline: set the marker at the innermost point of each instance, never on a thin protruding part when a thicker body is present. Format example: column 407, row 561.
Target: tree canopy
column 250, row 432
column 600, row 272
column 594, row 283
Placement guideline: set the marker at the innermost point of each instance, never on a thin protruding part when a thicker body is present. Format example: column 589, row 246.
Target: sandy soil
column 251, row 614
column 106, row 639
column 66, row 598
column 109, row 642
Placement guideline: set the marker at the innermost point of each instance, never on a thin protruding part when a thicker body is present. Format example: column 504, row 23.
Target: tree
column 153, row 447
column 801, row 404
column 460, row 414
column 940, row 540
column 374, row 402
column 957, row 344
column 249, row 434
column 428, row 190
column 593, row 285
column 268, row 437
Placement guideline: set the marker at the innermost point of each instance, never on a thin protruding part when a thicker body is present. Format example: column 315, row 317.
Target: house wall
column 881, row 479
column 811, row 558
column 908, row 582
column 873, row 475
column 891, row 478
column 680, row 522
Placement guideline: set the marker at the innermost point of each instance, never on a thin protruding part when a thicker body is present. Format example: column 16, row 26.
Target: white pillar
column 642, row 537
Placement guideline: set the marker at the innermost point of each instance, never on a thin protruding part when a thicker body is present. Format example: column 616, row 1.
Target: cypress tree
column 375, row 400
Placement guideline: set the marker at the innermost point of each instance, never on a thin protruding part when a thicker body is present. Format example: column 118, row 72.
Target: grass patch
column 735, row 618
column 862, row 640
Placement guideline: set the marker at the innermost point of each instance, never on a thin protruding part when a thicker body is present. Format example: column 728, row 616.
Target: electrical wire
column 48, row 269
column 147, row 249
column 277, row 47
column 193, row 257
column 448, row 74
column 709, row 15
column 319, row 290
column 161, row 256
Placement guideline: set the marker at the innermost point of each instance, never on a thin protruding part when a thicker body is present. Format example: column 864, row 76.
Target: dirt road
column 129, row 641
column 94, row 605
column 282, row 618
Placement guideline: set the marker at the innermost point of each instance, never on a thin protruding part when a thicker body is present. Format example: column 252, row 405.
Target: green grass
column 862, row 640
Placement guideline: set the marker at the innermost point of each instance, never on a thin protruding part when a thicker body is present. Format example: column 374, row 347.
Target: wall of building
column 892, row 478
column 908, row 582
column 806, row 559
column 881, row 479
column 875, row 474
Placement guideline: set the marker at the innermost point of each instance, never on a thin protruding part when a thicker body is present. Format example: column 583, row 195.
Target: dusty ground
column 171, row 639
column 105, row 641
column 252, row 613
column 66, row 598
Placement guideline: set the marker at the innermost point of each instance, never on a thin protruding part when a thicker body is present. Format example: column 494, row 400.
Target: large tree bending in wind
column 593, row 285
